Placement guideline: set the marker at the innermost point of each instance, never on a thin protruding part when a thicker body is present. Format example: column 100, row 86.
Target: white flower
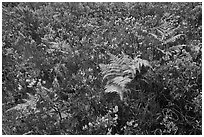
column 90, row 124
column 115, row 109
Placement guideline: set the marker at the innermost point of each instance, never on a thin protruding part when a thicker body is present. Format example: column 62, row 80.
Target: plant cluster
column 101, row 68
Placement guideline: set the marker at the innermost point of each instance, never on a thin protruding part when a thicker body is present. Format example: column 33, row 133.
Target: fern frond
column 111, row 74
column 178, row 47
column 121, row 71
column 172, row 39
column 138, row 63
column 114, row 88
column 31, row 102
column 106, row 68
column 172, row 31
column 167, row 29
column 44, row 93
column 121, row 81
column 155, row 36
column 131, row 72
column 113, row 58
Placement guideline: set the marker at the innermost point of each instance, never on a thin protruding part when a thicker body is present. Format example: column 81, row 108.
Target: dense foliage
column 101, row 68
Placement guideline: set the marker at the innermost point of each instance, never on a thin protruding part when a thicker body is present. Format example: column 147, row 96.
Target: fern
column 121, row 71
column 173, row 39
column 29, row 103
column 167, row 30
